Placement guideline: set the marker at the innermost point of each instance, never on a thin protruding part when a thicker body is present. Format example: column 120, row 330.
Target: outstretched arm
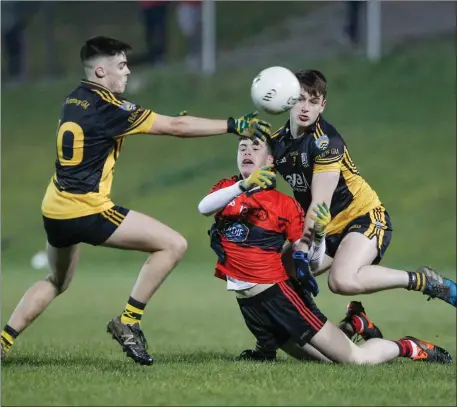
column 123, row 118
column 190, row 126
column 219, row 199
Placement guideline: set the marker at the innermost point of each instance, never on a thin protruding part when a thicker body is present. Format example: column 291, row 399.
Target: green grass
column 195, row 331
column 398, row 119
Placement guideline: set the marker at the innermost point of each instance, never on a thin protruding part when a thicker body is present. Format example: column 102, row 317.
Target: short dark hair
column 267, row 142
column 313, row 82
column 102, row 46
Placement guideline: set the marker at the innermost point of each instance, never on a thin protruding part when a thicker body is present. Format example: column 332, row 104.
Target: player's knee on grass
column 336, row 346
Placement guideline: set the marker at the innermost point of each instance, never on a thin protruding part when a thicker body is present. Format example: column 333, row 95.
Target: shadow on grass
column 109, row 363
column 71, row 362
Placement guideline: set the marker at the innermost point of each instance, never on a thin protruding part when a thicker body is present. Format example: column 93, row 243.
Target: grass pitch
column 195, row 331
column 398, row 118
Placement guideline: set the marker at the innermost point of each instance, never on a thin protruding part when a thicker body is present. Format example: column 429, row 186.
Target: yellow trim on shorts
column 382, row 220
column 377, row 216
column 370, row 232
column 116, row 215
column 106, row 216
column 113, row 216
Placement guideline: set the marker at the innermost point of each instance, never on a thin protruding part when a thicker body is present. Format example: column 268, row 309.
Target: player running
column 252, row 223
column 77, row 207
column 313, row 158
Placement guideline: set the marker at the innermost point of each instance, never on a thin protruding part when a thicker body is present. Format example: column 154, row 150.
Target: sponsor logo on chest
column 236, row 232
column 298, row 182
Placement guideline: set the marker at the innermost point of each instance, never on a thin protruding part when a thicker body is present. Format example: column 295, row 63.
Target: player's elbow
column 179, row 127
column 203, row 209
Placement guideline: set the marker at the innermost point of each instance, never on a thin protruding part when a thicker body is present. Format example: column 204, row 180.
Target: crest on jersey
column 322, row 142
column 293, row 155
column 304, row 159
column 128, row 107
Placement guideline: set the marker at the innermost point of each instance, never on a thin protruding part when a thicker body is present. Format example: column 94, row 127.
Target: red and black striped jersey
column 253, row 228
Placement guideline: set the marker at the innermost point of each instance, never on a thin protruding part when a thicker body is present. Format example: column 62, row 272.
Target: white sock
column 415, row 349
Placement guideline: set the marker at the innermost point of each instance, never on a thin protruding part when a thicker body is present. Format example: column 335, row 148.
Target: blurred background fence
column 41, row 39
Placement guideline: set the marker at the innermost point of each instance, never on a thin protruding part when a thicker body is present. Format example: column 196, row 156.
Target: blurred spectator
column 189, row 15
column 352, row 28
column 15, row 16
column 155, row 22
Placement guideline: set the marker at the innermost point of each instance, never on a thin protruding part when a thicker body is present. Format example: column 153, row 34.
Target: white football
column 40, row 260
column 275, row 90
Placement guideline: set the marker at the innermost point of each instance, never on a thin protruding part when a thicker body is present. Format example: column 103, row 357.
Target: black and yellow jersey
column 323, row 149
column 92, row 126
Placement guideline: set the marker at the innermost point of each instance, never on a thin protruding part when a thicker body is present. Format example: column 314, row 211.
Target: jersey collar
column 90, row 85
column 286, row 134
column 312, row 128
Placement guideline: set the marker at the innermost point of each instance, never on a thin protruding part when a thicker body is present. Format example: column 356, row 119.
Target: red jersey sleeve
column 223, row 183
column 296, row 220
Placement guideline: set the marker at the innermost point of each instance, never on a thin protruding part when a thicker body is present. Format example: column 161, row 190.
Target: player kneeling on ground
column 77, row 207
column 252, row 223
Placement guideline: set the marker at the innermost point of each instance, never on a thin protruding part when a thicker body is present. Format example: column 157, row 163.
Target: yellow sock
column 133, row 312
column 421, row 281
column 8, row 337
column 417, row 281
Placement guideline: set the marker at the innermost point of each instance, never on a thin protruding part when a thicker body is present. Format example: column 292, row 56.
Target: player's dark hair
column 313, row 82
column 102, row 46
column 267, row 142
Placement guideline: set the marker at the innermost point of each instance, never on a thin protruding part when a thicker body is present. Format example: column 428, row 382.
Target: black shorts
column 375, row 223
column 92, row 229
column 280, row 313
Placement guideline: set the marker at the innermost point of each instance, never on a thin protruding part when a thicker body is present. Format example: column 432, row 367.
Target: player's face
column 116, row 73
column 307, row 109
column 252, row 154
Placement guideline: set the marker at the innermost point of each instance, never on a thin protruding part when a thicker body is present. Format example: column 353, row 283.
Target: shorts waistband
column 268, row 293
